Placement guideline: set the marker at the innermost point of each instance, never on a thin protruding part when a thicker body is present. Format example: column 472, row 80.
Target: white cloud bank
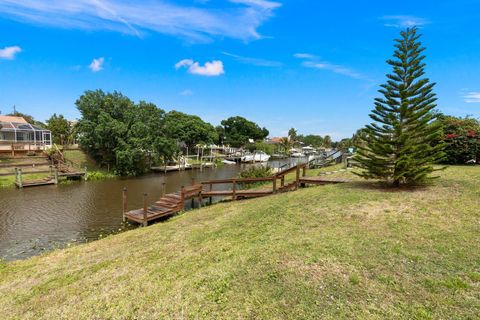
column 472, row 97
column 404, row 21
column 209, row 69
column 9, row 53
column 97, row 64
column 239, row 19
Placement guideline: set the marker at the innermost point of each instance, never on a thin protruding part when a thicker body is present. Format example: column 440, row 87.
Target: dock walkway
column 172, row 203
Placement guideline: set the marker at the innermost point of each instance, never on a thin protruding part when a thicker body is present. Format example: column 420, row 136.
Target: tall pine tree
column 399, row 146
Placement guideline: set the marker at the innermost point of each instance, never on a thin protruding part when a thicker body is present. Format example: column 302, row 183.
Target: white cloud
column 186, row 93
column 209, row 69
column 254, row 61
column 313, row 61
column 404, row 21
column 9, row 53
column 333, row 67
column 259, row 3
column 183, row 63
column 304, row 56
column 199, row 22
column 472, row 97
column 97, row 64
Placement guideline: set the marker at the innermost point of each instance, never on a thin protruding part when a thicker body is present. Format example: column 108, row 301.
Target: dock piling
column 125, row 203
column 234, row 190
column 297, row 178
column 18, row 174
column 145, row 209
column 55, row 176
column 163, row 189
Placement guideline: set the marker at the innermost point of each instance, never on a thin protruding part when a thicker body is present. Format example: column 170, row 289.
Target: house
column 274, row 140
column 16, row 134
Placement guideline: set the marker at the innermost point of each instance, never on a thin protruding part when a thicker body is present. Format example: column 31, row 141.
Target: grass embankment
column 336, row 251
column 82, row 160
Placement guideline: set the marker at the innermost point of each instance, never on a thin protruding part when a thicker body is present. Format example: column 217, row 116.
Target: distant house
column 16, row 134
column 274, row 140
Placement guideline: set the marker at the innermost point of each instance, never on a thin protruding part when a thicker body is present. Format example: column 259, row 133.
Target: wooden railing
column 234, row 192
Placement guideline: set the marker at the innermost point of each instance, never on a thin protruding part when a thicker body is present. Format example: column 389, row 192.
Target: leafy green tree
column 121, row 135
column 60, row 128
column 239, row 130
column 344, row 144
column 399, row 146
column 221, row 134
column 190, row 129
column 311, row 140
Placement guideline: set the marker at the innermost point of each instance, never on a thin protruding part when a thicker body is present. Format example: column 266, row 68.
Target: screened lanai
column 16, row 131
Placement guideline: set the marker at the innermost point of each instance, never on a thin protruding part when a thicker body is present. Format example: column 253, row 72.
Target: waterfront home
column 17, row 135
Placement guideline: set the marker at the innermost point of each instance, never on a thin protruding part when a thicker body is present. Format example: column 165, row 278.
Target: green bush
column 98, row 175
column 256, row 172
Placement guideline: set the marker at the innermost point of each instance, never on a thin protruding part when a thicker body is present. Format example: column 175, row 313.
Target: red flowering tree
column 462, row 139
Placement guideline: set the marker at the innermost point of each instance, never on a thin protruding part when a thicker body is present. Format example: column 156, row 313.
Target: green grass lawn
column 339, row 251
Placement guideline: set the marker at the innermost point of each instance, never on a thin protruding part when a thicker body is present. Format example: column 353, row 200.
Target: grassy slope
column 81, row 159
column 324, row 252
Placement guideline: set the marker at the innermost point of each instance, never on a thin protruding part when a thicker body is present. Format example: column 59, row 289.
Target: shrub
column 256, row 172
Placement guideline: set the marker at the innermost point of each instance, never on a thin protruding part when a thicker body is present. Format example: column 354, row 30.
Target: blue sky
column 312, row 65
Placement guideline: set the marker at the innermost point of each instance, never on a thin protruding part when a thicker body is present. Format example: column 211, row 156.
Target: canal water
column 33, row 220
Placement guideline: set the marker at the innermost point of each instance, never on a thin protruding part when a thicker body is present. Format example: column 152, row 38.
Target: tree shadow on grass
column 385, row 187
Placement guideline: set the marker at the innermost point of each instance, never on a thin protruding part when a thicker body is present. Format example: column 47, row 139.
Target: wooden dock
column 53, row 178
column 166, row 169
column 167, row 205
column 172, row 203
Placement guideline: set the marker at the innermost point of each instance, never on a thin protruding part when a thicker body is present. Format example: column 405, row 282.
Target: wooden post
column 125, row 203
column 55, row 176
column 274, row 184
column 86, row 174
column 51, row 170
column 211, row 188
column 145, row 210
column 193, row 198
column 297, row 179
column 304, row 173
column 163, row 189
column 20, row 177
column 234, row 190
column 182, row 198
column 282, row 181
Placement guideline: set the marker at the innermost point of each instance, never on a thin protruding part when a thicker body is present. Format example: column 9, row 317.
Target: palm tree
column 286, row 144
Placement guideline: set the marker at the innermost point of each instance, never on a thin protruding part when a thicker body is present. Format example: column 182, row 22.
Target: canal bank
column 35, row 220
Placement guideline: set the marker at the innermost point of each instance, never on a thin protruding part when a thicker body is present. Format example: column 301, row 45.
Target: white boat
column 228, row 162
column 297, row 155
column 258, row 156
